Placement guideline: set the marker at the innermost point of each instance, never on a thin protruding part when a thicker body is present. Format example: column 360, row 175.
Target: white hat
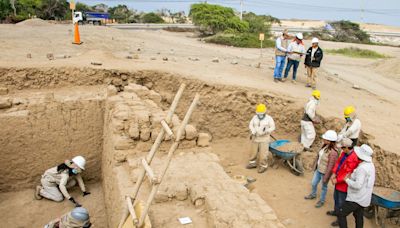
column 364, row 152
column 345, row 142
column 330, row 135
column 314, row 40
column 299, row 36
column 79, row 161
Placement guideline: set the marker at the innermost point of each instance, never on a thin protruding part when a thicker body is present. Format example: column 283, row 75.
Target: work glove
column 74, row 202
column 86, row 193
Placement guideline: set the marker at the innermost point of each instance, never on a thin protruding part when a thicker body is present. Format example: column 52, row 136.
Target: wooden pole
column 169, row 157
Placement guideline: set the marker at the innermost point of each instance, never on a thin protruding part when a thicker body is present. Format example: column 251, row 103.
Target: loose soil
column 291, row 147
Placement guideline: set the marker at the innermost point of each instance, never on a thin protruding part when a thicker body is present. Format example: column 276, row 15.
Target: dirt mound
column 34, row 22
column 291, row 147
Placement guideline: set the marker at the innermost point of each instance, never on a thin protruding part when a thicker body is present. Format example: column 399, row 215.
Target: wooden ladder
column 135, row 214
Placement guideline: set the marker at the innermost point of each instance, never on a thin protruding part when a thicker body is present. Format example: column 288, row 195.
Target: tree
column 216, row 18
column 82, row 7
column 257, row 23
column 100, row 8
column 53, row 9
column 5, row 9
column 152, row 18
column 121, row 13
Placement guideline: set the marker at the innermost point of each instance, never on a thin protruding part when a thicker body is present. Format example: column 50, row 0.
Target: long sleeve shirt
column 310, row 108
column 278, row 44
column 361, row 184
column 351, row 130
column 298, row 48
column 61, row 179
column 261, row 129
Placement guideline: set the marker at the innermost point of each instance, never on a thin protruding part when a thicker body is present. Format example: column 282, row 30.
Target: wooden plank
column 166, row 128
column 150, row 174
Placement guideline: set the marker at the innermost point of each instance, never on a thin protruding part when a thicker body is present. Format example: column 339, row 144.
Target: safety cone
column 77, row 37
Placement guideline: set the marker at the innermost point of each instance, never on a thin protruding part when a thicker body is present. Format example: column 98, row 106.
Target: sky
column 375, row 11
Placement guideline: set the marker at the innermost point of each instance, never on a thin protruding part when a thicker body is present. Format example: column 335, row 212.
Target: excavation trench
column 112, row 117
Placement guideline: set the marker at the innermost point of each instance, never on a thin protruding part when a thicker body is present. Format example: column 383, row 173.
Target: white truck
column 95, row 18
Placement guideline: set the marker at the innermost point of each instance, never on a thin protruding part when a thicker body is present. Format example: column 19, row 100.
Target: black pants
column 346, row 209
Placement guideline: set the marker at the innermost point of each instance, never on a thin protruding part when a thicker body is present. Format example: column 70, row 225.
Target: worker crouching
column 261, row 126
column 77, row 218
column 56, row 180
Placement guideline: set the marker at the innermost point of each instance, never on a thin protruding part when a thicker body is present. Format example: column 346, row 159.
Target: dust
column 295, row 147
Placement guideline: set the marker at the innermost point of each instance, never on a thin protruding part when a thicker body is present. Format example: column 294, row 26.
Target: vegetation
column 357, row 53
column 152, row 18
column 224, row 26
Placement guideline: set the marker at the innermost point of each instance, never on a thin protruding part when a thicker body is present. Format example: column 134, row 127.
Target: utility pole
column 241, row 9
column 362, row 11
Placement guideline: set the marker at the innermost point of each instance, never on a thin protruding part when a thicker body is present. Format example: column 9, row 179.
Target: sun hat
column 364, row 152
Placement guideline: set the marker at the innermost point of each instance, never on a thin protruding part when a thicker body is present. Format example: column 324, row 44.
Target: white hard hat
column 314, row 40
column 80, row 214
column 79, row 161
column 330, row 135
column 364, row 152
column 299, row 36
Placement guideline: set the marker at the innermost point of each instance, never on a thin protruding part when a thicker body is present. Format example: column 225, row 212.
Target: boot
column 262, row 169
column 319, row 204
column 37, row 193
column 309, row 197
column 251, row 166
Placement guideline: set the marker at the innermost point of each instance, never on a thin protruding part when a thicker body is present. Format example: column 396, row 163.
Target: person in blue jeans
column 281, row 45
column 295, row 52
column 324, row 163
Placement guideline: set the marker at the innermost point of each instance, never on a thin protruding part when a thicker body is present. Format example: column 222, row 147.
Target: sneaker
column 331, row 213
column 319, row 204
column 294, row 81
column 335, row 223
column 308, row 85
column 251, row 166
column 310, row 197
column 37, row 193
column 262, row 169
column 283, row 80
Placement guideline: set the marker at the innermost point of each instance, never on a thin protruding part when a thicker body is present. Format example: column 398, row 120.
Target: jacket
column 351, row 129
column 261, row 129
column 61, row 179
column 361, row 184
column 310, row 109
column 326, row 164
column 314, row 61
column 348, row 166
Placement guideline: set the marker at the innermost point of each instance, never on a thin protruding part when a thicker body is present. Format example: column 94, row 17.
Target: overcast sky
column 375, row 11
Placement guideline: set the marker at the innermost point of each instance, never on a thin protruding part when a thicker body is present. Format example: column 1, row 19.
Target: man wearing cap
column 296, row 51
column 345, row 165
column 312, row 61
column 281, row 45
column 77, row 218
column 361, row 183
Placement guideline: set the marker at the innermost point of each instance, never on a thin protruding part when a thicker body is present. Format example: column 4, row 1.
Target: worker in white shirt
column 56, row 180
column 352, row 128
column 308, row 120
column 359, row 192
column 296, row 50
column 261, row 126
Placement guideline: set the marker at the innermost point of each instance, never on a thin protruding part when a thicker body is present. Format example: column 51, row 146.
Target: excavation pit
column 112, row 118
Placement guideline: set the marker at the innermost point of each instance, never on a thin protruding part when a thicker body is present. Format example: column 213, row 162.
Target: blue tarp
column 97, row 15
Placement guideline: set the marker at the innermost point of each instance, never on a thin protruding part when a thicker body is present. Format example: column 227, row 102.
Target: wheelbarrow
column 289, row 157
column 384, row 204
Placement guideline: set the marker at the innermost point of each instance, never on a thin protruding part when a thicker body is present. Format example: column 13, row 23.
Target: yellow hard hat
column 348, row 111
column 316, row 94
column 261, row 109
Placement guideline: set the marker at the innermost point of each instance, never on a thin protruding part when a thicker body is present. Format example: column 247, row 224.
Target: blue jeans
column 295, row 65
column 279, row 64
column 318, row 177
column 340, row 198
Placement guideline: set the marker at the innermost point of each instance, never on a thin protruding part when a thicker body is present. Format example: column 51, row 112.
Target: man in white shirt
column 281, row 45
column 360, row 187
column 308, row 120
column 261, row 126
column 352, row 128
column 296, row 51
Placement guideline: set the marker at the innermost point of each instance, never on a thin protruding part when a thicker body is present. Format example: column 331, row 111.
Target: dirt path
column 21, row 210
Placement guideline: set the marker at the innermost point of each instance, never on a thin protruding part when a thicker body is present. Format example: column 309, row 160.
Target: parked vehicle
column 95, row 18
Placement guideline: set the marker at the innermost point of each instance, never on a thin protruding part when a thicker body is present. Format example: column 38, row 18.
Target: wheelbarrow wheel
column 296, row 165
column 369, row 212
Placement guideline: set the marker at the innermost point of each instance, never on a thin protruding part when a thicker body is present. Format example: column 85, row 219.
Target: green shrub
column 215, row 18
column 152, row 18
column 357, row 53
column 247, row 40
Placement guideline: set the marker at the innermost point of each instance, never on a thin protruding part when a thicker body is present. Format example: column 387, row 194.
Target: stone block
column 3, row 91
column 111, row 91
column 145, row 134
column 190, row 132
column 204, row 139
column 5, row 103
column 123, row 143
column 133, row 131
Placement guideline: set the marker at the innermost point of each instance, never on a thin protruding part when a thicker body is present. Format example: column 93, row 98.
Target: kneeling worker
column 77, row 218
column 261, row 126
column 56, row 180
column 352, row 128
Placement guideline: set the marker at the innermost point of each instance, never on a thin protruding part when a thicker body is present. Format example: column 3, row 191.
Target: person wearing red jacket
column 347, row 162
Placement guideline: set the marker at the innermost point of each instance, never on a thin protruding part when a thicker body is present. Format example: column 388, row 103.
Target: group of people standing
column 292, row 49
column 340, row 161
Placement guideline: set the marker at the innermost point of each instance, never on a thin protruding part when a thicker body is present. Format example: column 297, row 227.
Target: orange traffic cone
column 77, row 37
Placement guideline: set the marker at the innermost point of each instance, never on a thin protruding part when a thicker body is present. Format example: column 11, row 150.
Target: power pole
column 362, row 11
column 241, row 9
